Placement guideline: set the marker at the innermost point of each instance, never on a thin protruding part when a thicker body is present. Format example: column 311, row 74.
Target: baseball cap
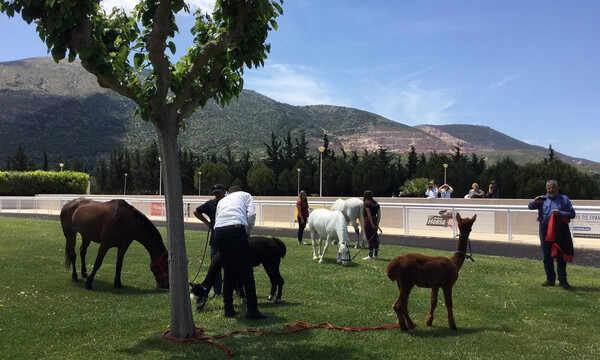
column 217, row 188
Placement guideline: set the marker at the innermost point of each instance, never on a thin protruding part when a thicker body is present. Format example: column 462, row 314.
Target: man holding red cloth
column 554, row 214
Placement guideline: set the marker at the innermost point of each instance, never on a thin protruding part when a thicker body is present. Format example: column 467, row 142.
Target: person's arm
column 250, row 214
column 370, row 218
column 451, row 189
column 202, row 218
column 301, row 218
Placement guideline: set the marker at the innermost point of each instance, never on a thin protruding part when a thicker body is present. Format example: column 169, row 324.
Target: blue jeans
column 561, row 265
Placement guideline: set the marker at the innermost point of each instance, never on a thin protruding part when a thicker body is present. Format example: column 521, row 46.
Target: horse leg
column 325, row 248
column 101, row 253
column 313, row 238
column 448, row 299
column 357, row 232
column 82, row 252
column 71, row 255
column 120, row 255
column 432, row 305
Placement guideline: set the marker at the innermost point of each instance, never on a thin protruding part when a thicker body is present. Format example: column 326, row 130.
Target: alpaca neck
column 461, row 250
column 213, row 271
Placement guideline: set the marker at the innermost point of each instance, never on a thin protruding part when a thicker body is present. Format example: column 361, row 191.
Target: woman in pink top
column 302, row 207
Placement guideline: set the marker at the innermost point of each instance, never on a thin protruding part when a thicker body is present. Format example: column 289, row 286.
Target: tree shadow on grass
column 243, row 345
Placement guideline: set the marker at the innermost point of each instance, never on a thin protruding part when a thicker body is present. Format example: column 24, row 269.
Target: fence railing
column 397, row 215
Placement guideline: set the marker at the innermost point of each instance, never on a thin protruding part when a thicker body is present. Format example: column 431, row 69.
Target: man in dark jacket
column 554, row 211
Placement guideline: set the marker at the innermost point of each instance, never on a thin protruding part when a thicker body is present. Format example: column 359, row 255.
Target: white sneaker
column 302, row 243
column 368, row 258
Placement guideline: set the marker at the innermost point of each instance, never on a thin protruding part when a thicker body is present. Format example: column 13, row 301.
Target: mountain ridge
column 61, row 109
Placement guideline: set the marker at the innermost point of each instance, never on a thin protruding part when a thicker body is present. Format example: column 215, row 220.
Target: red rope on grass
column 297, row 327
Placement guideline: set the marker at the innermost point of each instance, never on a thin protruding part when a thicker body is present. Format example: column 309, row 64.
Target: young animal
column 329, row 225
column 263, row 250
column 113, row 223
column 352, row 210
column 432, row 272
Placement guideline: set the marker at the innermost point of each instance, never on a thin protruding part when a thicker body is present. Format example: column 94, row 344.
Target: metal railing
column 399, row 215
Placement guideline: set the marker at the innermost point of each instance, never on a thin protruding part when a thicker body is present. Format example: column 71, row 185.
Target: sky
column 529, row 69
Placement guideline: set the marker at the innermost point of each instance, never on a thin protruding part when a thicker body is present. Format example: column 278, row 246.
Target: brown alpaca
column 432, row 272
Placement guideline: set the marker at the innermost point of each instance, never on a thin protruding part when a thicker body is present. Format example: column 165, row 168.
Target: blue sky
column 529, row 69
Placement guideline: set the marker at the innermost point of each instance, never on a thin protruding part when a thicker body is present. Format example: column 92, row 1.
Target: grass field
column 500, row 309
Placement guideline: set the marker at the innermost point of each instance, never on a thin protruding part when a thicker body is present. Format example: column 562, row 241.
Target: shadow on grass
column 588, row 289
column 243, row 345
column 443, row 332
column 108, row 287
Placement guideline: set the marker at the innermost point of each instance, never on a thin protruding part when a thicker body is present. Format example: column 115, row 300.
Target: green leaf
column 138, row 60
column 172, row 47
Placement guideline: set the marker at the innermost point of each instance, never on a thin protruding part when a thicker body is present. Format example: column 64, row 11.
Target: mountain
column 60, row 109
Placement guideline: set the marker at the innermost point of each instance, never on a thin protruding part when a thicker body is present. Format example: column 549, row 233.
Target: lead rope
column 298, row 326
column 470, row 256
column 204, row 254
column 368, row 241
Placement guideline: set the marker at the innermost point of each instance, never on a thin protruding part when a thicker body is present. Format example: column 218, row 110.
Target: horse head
column 344, row 254
column 199, row 294
column 160, row 269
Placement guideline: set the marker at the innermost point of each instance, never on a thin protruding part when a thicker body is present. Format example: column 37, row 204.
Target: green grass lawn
column 501, row 310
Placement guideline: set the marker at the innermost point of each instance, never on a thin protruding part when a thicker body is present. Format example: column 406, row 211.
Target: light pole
column 61, row 166
column 199, row 182
column 321, row 149
column 298, row 169
column 125, row 186
column 160, row 177
column 445, row 167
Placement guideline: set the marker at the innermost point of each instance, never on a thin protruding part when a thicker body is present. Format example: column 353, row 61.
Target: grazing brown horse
column 267, row 251
column 432, row 272
column 113, row 223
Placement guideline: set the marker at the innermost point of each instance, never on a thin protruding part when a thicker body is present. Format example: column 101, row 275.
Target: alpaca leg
column 401, row 308
column 448, row 299
column 432, row 305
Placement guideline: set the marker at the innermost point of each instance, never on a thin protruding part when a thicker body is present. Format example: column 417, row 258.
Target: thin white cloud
column 291, row 84
column 503, row 82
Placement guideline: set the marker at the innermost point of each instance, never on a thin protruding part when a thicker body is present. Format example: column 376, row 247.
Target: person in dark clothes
column 302, row 208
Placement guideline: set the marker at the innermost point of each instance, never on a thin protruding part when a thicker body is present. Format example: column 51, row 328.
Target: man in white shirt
column 234, row 222
column 432, row 191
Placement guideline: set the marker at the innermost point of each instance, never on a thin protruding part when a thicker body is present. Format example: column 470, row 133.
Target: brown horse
column 432, row 272
column 113, row 223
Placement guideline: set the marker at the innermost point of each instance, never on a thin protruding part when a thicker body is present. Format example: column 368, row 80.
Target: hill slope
column 61, row 109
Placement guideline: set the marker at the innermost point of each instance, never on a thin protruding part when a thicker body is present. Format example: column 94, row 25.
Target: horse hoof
column 320, row 261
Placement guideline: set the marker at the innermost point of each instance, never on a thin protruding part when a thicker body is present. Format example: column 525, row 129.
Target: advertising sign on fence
column 157, row 208
column 586, row 226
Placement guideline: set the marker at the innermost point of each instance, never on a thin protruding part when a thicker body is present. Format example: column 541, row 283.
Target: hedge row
column 20, row 183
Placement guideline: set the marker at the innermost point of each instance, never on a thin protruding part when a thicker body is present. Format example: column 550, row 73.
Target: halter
column 347, row 252
column 157, row 263
column 470, row 256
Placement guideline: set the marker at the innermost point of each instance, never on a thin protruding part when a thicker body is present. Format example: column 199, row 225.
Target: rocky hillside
column 60, row 109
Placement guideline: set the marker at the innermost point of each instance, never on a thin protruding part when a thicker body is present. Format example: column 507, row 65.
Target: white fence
column 399, row 216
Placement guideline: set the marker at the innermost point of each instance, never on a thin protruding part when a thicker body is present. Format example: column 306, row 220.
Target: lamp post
column 61, row 166
column 298, row 169
column 125, row 185
column 199, row 182
column 445, row 167
column 160, row 177
column 321, row 149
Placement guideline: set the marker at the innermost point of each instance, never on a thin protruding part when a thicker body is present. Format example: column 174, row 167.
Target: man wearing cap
column 432, row 191
column 209, row 209
column 493, row 191
column 234, row 222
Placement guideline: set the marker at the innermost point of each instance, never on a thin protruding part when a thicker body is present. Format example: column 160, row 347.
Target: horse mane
column 142, row 220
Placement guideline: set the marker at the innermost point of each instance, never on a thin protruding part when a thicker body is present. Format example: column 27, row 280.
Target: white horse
column 329, row 225
column 352, row 210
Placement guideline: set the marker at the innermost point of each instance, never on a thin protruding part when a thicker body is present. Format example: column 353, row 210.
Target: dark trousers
column 235, row 252
column 561, row 265
column 218, row 285
column 371, row 234
column 301, row 226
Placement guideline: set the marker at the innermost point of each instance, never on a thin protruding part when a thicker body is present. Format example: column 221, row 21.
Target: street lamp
column 199, row 182
column 321, row 149
column 298, row 169
column 445, row 167
column 61, row 166
column 160, row 177
column 125, row 186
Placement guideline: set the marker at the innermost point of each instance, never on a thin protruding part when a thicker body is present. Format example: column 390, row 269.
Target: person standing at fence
column 303, row 213
column 371, row 215
column 234, row 222
column 209, row 209
column 432, row 191
column 493, row 190
column 475, row 192
column 445, row 191
column 554, row 213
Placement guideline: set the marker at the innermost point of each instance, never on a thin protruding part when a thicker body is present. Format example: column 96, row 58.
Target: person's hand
column 556, row 212
column 539, row 199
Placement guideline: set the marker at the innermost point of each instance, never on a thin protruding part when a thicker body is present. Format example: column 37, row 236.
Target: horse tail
column 281, row 245
column 69, row 231
column 394, row 270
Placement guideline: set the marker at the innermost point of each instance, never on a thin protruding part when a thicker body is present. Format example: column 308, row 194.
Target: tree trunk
column 182, row 321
